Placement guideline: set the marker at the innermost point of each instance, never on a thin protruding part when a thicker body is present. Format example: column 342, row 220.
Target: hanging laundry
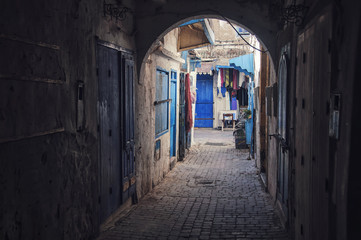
column 242, row 97
column 219, row 84
column 231, row 77
column 226, row 76
column 240, row 79
column 223, row 91
column 222, row 77
column 229, row 90
column 245, row 82
column 188, row 100
column 235, row 77
column 234, row 103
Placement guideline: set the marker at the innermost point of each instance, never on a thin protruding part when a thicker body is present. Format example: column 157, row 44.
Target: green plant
column 247, row 113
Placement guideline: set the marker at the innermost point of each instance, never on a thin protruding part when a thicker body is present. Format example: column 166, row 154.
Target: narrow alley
column 215, row 193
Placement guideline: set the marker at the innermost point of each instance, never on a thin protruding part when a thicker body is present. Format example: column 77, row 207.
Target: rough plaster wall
column 171, row 40
column 224, row 32
column 144, row 129
column 150, row 171
column 162, row 165
column 257, row 69
column 50, row 183
column 272, row 147
column 227, row 44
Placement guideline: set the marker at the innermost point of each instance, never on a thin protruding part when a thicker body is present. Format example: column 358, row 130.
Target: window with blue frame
column 161, row 102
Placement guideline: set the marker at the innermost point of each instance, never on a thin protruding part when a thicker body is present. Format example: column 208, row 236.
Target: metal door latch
column 284, row 145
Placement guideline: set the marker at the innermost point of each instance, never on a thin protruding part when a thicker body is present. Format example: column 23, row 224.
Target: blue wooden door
column 204, row 104
column 127, row 112
column 116, row 129
column 173, row 116
column 109, row 131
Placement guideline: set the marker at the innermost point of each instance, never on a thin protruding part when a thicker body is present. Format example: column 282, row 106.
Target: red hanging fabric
column 235, row 74
column 188, row 101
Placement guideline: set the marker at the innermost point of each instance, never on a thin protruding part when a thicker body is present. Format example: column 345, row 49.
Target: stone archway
column 156, row 18
column 154, row 21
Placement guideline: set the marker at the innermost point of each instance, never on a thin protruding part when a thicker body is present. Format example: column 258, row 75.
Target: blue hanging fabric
column 223, row 91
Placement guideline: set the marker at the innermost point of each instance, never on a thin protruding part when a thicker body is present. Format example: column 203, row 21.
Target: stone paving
column 215, row 193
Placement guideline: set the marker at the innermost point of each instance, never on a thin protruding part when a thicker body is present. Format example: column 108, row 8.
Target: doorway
column 204, row 103
column 173, row 114
column 116, row 128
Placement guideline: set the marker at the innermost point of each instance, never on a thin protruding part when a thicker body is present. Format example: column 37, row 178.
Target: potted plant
column 247, row 114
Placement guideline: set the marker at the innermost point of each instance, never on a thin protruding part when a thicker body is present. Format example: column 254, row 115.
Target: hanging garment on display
column 219, row 83
column 226, row 77
column 222, row 77
column 231, row 77
column 223, row 91
column 188, row 100
column 242, row 96
column 235, row 78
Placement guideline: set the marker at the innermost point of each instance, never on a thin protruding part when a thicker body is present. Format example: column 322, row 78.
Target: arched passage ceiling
column 154, row 18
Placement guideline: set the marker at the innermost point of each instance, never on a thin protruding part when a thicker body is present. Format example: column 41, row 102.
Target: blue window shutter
column 161, row 105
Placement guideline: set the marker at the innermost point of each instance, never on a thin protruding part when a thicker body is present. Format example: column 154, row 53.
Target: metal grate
column 215, row 144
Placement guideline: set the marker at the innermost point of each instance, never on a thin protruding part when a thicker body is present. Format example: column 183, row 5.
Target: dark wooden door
column 109, row 131
column 128, row 165
column 182, row 129
column 283, row 157
column 116, row 129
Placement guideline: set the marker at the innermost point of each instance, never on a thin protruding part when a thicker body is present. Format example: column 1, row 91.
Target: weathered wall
column 151, row 170
column 49, row 171
column 257, row 105
column 228, row 44
column 346, row 61
column 272, row 143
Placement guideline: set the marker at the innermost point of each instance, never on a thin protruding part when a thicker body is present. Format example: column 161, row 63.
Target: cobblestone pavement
column 215, row 193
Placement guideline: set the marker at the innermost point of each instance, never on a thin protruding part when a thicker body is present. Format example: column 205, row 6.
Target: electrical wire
column 229, row 22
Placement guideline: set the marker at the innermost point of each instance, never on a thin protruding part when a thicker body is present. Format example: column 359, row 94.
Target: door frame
column 282, row 124
column 211, row 80
column 173, row 133
column 121, row 50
